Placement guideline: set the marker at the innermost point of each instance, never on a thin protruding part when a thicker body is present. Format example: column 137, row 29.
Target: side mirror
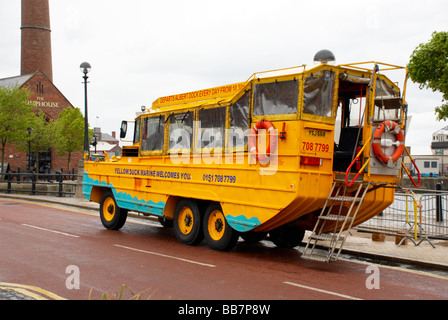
column 123, row 129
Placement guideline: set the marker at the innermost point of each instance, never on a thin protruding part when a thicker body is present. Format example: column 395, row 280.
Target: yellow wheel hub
column 185, row 220
column 109, row 209
column 216, row 225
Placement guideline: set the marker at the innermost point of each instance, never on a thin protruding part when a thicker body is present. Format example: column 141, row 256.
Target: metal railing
column 414, row 216
column 58, row 183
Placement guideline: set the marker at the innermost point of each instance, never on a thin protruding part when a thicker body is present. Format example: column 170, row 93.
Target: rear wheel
column 187, row 222
column 253, row 237
column 218, row 233
column 112, row 216
column 166, row 223
column 287, row 236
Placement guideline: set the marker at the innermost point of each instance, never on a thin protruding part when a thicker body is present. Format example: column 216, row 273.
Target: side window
column 318, row 94
column 276, row 98
column 387, row 102
column 181, row 130
column 137, row 131
column 212, row 124
column 153, row 133
column 239, row 122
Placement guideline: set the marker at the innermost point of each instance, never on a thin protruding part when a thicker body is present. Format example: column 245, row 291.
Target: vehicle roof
column 225, row 94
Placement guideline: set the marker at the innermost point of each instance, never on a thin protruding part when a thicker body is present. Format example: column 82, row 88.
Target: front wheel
column 218, row 233
column 112, row 216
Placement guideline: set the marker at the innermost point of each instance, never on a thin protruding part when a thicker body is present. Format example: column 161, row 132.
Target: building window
column 434, row 164
column 426, row 164
column 40, row 88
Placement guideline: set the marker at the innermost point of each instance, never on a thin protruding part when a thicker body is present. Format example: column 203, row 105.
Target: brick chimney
column 36, row 38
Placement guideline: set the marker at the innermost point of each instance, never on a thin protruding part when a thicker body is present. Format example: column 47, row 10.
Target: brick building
column 37, row 76
column 46, row 97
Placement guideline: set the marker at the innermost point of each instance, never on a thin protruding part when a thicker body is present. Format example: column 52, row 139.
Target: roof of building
column 23, row 79
column 103, row 146
column 107, row 137
column 15, row 81
column 104, row 136
column 444, row 130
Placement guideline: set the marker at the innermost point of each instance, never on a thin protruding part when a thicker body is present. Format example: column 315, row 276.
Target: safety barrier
column 418, row 217
column 59, row 183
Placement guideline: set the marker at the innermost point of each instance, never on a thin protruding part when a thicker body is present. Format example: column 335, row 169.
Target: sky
column 140, row 50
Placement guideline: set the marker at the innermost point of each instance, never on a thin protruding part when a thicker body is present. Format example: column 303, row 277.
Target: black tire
column 112, row 216
column 187, row 222
column 287, row 236
column 219, row 235
column 253, row 237
column 166, row 223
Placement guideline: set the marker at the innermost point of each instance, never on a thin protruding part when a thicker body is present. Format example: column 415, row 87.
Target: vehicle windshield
column 318, row 93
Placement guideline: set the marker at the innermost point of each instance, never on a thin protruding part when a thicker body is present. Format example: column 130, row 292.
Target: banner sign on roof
column 206, row 94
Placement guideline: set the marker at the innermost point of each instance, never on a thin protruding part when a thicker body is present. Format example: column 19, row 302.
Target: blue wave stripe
column 241, row 223
column 124, row 200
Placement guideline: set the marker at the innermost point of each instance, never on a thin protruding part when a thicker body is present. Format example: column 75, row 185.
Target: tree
column 41, row 138
column 428, row 66
column 69, row 133
column 15, row 116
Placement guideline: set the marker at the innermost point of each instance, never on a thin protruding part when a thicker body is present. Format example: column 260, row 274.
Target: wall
column 427, row 183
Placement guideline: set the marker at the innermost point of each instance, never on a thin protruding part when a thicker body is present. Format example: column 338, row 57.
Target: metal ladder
column 342, row 222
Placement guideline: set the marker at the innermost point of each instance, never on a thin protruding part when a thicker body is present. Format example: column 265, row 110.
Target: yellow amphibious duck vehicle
column 314, row 148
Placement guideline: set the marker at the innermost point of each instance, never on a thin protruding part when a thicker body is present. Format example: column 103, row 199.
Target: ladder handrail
column 353, row 162
column 407, row 171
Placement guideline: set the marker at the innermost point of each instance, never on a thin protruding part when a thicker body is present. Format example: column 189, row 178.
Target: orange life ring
column 393, row 127
column 267, row 125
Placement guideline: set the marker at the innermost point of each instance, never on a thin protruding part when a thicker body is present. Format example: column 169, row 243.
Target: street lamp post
column 95, row 141
column 85, row 68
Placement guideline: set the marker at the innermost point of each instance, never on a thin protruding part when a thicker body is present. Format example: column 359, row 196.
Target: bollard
column 33, row 183
column 439, row 209
column 9, row 181
column 60, row 178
